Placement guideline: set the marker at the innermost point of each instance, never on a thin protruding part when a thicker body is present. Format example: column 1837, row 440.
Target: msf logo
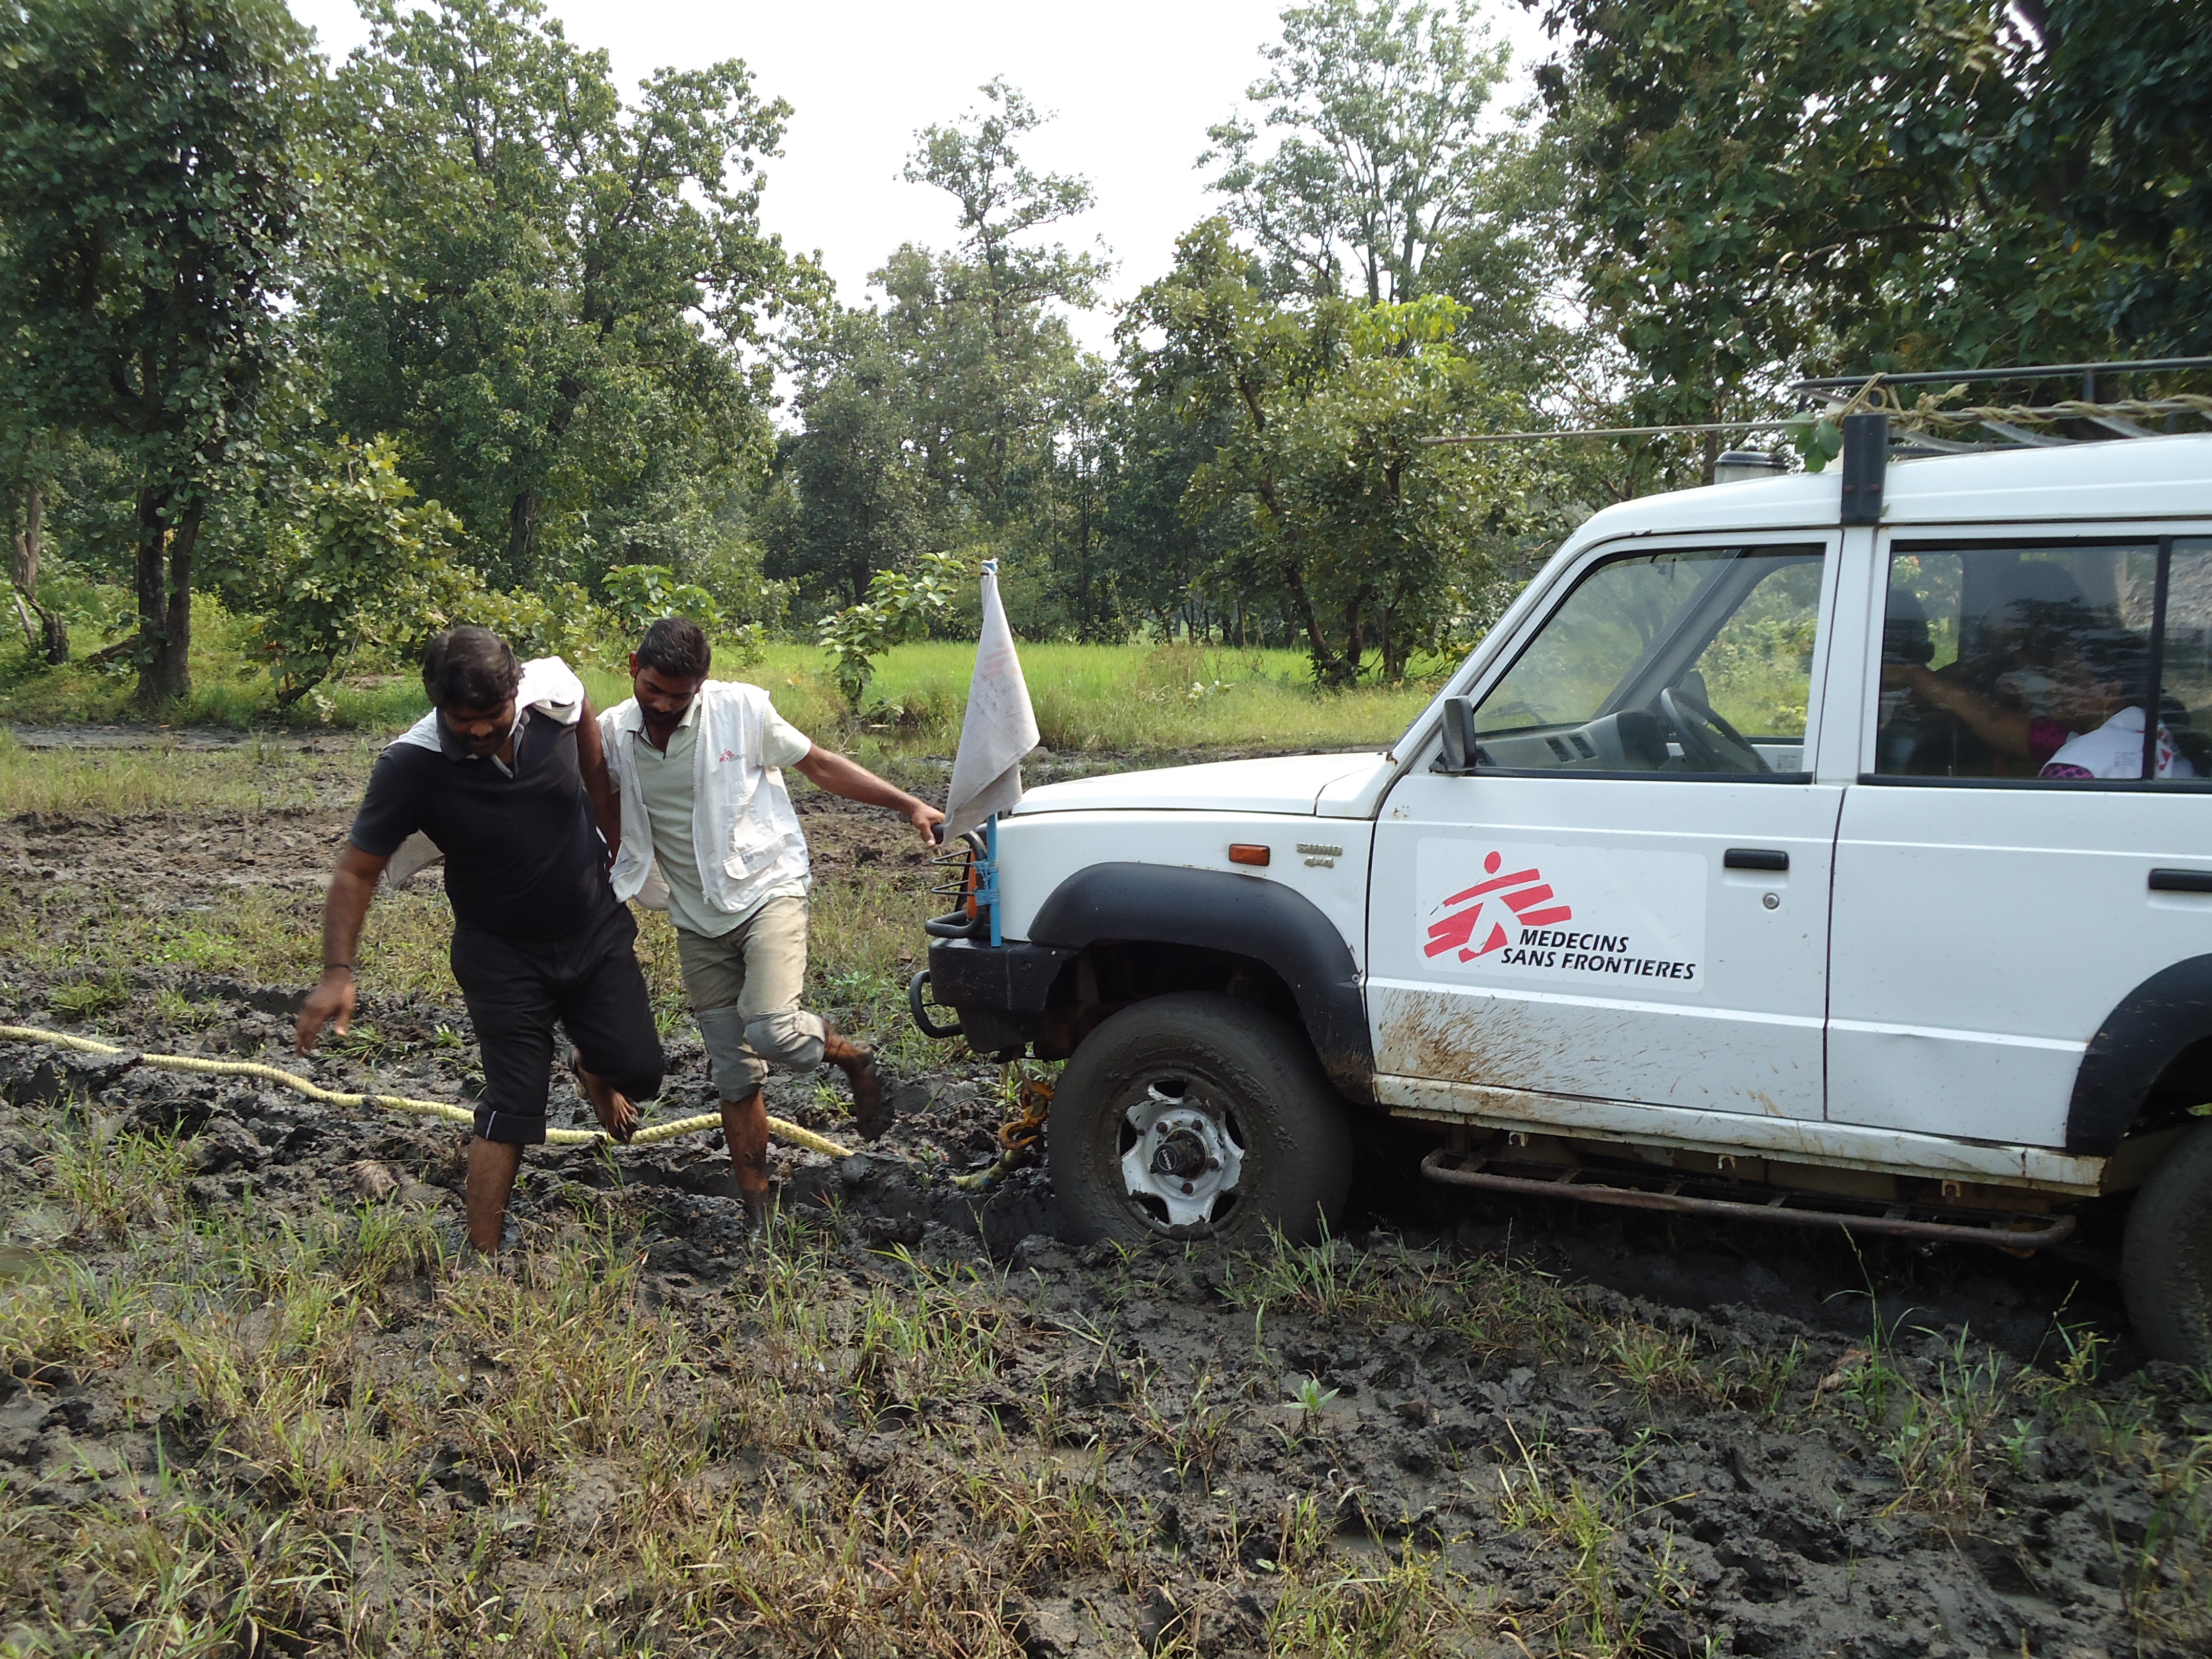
column 1521, row 892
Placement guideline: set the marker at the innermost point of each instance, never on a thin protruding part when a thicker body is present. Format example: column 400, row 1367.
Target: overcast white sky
column 1133, row 86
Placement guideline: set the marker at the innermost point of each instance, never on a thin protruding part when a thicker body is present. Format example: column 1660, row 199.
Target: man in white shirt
column 707, row 832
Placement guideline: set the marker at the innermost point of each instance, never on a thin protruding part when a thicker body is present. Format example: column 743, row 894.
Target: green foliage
column 563, row 316
column 945, row 417
column 160, row 189
column 1985, row 183
column 900, row 606
column 2112, row 143
column 359, row 566
column 1379, row 158
column 556, row 619
column 552, row 296
column 639, row 595
column 1321, row 408
column 862, row 499
column 1819, row 442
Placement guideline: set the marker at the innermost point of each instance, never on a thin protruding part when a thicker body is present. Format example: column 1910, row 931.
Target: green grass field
column 1136, row 699
column 1126, row 699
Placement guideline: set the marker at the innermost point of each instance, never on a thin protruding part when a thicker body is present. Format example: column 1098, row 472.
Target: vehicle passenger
column 2091, row 698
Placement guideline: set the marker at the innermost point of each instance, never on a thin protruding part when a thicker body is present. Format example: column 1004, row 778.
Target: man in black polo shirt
column 506, row 775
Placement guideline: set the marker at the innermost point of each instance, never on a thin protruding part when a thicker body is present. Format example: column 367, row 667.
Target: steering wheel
column 1709, row 743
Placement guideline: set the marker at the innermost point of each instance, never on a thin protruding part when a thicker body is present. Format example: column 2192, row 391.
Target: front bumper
column 1003, row 993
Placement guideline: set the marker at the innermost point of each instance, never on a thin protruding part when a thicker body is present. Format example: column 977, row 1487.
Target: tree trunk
column 1329, row 667
column 152, row 580
column 165, row 600
column 521, row 538
column 50, row 638
column 28, row 534
column 176, row 652
column 1355, row 637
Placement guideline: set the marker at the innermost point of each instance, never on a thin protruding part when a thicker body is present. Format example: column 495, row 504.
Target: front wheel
column 1197, row 1116
column 2165, row 1263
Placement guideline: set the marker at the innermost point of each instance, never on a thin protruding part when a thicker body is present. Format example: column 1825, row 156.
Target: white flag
column 1000, row 726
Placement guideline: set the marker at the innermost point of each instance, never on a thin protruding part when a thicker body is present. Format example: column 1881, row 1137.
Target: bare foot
column 614, row 1110
column 760, row 1207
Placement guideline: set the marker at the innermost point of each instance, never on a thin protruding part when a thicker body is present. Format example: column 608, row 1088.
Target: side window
column 1695, row 662
column 2045, row 663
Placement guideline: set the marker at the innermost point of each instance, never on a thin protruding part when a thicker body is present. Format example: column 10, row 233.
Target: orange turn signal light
column 1243, row 852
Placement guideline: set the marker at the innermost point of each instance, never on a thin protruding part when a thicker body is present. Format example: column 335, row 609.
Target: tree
column 946, row 419
column 1323, row 406
column 900, row 606
column 1379, row 160
column 1884, row 184
column 559, row 327
column 27, row 465
column 861, row 498
column 1073, row 523
column 989, row 352
column 156, row 188
column 2111, row 145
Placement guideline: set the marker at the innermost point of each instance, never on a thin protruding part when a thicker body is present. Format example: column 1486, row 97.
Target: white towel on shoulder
column 547, row 687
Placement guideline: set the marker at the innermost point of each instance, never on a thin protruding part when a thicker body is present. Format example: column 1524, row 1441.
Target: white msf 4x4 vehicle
column 1825, row 848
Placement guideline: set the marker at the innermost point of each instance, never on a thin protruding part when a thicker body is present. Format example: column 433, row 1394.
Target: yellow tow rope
column 443, row 1109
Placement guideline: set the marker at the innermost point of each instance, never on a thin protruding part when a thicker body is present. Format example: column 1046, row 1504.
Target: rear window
column 2048, row 664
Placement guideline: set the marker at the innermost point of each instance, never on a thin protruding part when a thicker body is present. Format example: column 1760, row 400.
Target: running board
column 2009, row 1233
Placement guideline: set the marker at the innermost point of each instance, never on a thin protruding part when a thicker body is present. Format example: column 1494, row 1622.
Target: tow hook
column 920, row 1009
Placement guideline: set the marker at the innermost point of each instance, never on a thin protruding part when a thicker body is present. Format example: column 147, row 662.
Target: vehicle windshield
column 1686, row 661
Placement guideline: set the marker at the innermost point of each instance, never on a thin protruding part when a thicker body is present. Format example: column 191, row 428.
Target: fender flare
column 2137, row 1040
column 1245, row 916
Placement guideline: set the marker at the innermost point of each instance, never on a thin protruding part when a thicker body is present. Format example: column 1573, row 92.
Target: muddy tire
column 2166, row 1264
column 1197, row 1116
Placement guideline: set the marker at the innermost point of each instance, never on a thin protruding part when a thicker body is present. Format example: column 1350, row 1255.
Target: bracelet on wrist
column 328, row 966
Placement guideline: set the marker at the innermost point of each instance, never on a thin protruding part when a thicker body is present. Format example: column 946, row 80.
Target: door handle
column 1761, row 857
column 2181, row 881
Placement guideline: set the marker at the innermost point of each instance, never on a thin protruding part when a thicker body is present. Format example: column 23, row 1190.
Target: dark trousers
column 515, row 989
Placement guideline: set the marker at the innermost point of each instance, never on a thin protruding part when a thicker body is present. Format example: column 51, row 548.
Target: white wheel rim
column 1186, row 1158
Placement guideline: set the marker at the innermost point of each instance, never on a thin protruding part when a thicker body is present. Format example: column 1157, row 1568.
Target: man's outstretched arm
column 827, row 770
column 353, row 883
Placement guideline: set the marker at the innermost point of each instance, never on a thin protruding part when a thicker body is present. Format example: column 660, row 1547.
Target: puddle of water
column 19, row 1264
column 1363, row 1546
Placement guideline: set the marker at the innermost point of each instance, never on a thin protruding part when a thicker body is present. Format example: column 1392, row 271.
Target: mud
column 1612, row 1433
column 194, row 739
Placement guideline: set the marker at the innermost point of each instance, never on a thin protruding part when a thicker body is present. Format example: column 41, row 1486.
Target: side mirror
column 1459, row 754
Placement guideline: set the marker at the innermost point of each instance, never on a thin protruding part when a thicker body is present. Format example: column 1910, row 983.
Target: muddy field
column 253, row 1402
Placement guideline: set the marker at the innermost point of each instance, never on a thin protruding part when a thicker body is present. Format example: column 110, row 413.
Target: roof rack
column 1840, row 395
column 2088, row 371
column 1867, row 423
column 2015, row 425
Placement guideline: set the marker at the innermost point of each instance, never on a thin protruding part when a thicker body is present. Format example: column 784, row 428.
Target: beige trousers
column 745, row 987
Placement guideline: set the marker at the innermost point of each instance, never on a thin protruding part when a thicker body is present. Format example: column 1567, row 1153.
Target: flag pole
column 987, row 882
